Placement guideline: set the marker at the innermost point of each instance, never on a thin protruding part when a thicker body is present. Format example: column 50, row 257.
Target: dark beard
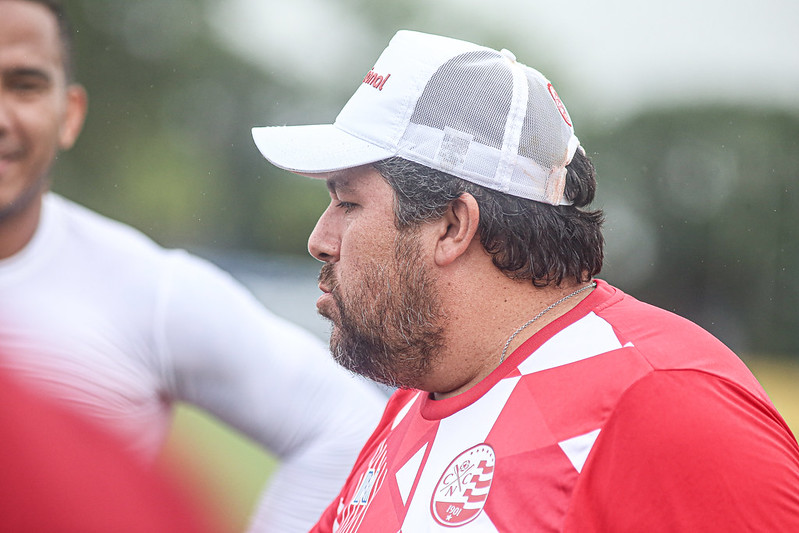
column 389, row 330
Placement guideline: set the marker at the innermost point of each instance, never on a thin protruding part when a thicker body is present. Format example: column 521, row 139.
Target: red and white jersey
column 617, row 416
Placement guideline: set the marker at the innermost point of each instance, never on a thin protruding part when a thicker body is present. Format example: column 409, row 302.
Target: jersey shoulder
column 689, row 448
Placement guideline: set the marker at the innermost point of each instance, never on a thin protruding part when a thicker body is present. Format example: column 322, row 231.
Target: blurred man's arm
column 271, row 380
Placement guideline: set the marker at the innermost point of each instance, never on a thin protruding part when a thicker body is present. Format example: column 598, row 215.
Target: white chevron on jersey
column 407, row 474
column 404, row 411
column 577, row 448
column 588, row 337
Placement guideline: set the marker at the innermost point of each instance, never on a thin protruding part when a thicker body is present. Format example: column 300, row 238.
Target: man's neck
column 484, row 327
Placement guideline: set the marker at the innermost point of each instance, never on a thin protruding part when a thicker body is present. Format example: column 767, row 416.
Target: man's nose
column 324, row 242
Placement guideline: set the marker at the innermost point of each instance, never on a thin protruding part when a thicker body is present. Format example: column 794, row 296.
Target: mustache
column 327, row 277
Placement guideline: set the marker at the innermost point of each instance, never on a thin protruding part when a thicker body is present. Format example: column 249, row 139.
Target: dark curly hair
column 527, row 239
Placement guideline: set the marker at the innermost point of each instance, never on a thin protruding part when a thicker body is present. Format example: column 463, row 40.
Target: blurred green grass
column 223, row 471
column 226, row 472
column 780, row 378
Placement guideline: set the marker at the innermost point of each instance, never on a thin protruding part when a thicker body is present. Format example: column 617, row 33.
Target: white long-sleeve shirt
column 99, row 316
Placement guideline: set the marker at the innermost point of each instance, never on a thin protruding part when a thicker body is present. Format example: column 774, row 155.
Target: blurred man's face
column 39, row 113
column 379, row 293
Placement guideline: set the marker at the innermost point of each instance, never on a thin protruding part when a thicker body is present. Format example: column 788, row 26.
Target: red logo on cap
column 376, row 80
column 559, row 103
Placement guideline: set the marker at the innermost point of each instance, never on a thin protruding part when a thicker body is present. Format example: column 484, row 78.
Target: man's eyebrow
column 28, row 72
column 338, row 183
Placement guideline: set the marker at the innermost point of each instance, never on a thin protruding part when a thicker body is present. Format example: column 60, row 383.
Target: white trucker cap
column 451, row 105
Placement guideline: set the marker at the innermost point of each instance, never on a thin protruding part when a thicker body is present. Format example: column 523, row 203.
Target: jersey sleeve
column 687, row 451
column 225, row 353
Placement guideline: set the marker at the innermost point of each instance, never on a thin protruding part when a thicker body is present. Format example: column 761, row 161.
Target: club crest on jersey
column 462, row 490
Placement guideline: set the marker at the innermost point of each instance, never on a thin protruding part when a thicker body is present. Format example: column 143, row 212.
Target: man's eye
column 347, row 206
column 28, row 86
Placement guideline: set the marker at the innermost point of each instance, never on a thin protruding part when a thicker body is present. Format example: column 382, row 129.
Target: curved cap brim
column 315, row 149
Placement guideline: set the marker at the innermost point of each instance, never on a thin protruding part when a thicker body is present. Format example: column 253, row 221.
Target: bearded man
column 460, row 262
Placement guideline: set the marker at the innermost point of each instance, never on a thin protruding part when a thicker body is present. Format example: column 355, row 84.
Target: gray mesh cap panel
column 463, row 91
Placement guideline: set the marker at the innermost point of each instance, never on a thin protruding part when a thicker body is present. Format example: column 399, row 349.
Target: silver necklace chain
column 542, row 313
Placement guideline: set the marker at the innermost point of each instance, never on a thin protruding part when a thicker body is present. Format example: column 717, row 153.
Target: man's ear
column 74, row 115
column 458, row 229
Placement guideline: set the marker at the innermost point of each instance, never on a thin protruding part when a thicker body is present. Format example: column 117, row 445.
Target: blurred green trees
column 701, row 203
column 703, row 218
column 167, row 145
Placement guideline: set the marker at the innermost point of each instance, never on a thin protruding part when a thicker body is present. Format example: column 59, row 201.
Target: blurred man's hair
column 56, row 7
column 526, row 239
